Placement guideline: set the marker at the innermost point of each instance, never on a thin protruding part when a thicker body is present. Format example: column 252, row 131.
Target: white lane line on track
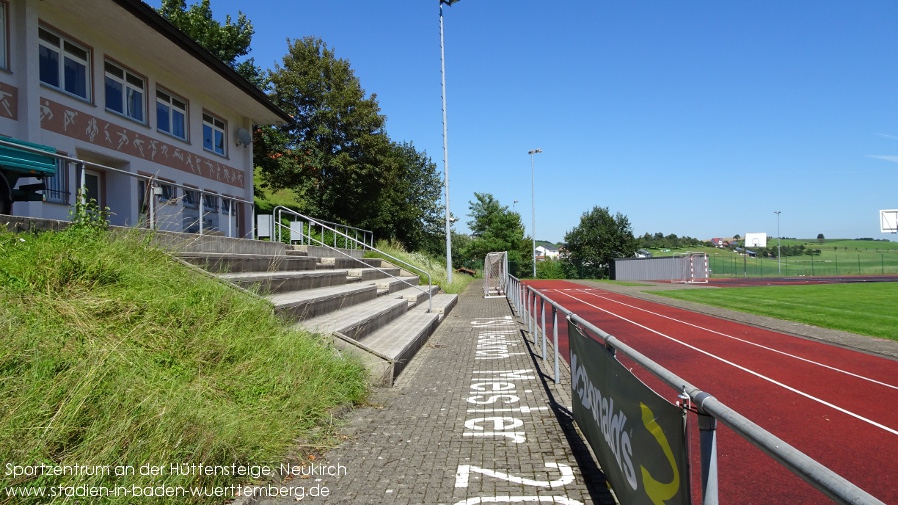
column 771, row 349
column 740, row 367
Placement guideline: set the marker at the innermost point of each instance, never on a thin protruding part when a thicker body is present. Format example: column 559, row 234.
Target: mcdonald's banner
column 638, row 437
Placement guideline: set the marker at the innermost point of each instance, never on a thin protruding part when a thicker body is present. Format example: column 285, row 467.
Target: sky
column 698, row 118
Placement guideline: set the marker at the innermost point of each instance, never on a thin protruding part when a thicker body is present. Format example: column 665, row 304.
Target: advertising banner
column 638, row 437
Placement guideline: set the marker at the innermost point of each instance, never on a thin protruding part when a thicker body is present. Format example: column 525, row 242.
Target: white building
column 546, row 251
column 112, row 83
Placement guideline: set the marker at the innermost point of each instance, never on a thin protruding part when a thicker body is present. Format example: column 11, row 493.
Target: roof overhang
column 137, row 21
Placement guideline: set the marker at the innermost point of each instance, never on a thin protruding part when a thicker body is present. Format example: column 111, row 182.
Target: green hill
column 116, row 356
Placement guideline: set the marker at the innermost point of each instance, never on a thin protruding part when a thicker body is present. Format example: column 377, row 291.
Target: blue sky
column 697, row 118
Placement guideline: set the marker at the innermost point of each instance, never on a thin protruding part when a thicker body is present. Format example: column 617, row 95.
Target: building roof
column 152, row 24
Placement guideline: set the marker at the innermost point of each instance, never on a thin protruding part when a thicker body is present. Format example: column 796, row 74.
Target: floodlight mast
column 779, row 267
column 533, row 205
column 446, row 148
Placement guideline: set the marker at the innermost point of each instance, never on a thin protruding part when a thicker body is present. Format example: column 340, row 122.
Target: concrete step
column 344, row 262
column 370, row 274
column 441, row 304
column 317, row 302
column 394, row 284
column 359, row 320
column 282, row 282
column 225, row 262
column 401, row 339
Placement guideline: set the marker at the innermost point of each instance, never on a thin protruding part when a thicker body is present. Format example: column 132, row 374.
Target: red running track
column 836, row 405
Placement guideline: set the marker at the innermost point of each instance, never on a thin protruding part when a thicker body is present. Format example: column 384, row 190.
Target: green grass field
column 837, row 257
column 862, row 308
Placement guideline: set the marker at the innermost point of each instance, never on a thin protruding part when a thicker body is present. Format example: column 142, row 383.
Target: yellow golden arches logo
column 659, row 492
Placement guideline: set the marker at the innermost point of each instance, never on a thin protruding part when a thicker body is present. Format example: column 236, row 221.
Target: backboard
column 888, row 221
column 755, row 240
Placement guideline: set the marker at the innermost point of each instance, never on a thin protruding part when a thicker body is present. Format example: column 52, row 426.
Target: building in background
column 154, row 115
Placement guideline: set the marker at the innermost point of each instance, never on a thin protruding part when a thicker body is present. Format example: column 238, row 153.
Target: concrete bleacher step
column 302, row 305
column 401, row 339
column 391, row 285
column 282, row 282
column 337, row 262
column 226, row 262
column 370, row 274
column 359, row 320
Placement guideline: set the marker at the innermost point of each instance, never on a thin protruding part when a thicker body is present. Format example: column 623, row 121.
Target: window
column 214, row 134
column 58, row 186
column 191, row 199
column 167, row 192
column 210, row 203
column 124, row 92
column 63, row 64
column 171, row 115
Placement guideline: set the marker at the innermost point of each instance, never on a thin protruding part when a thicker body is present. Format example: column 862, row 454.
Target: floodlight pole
column 533, row 204
column 446, row 148
column 779, row 268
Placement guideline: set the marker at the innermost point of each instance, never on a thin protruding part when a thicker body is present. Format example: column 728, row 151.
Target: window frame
column 4, row 35
column 214, row 124
column 128, row 87
column 171, row 108
column 63, row 50
column 191, row 198
column 210, row 202
column 58, row 186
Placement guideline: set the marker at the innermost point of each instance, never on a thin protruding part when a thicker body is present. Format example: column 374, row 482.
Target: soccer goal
column 692, row 268
column 495, row 273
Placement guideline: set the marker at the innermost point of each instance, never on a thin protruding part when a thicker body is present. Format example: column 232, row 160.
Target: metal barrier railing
column 300, row 224
column 311, row 224
column 709, row 409
column 155, row 189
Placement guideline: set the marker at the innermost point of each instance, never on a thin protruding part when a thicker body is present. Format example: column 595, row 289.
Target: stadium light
column 446, row 149
column 779, row 268
column 533, row 204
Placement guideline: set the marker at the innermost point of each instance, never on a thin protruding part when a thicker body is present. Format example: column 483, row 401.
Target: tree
column 495, row 228
column 821, row 238
column 337, row 156
column 596, row 241
column 229, row 41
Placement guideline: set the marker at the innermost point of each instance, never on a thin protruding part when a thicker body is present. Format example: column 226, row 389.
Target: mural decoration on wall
column 9, row 100
column 58, row 118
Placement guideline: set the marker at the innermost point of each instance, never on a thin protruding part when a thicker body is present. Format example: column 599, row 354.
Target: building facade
column 162, row 125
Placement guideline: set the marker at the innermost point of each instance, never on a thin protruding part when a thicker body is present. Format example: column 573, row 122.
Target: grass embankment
column 436, row 268
column 862, row 308
column 116, row 355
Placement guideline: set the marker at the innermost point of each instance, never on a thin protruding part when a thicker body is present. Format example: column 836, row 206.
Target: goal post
column 495, row 274
column 692, row 268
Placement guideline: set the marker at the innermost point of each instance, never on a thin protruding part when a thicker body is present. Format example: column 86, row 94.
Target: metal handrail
column 152, row 182
column 709, row 409
column 280, row 210
column 367, row 235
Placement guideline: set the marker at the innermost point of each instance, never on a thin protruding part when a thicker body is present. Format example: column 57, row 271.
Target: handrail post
column 543, row 311
column 707, row 426
column 202, row 208
column 152, row 202
column 555, row 340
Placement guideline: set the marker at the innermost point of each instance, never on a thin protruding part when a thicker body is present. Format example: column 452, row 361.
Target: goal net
column 495, row 271
column 692, row 267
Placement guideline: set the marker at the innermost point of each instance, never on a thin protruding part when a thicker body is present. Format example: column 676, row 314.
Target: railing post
column 543, row 311
column 152, row 185
column 707, row 426
column 555, row 340
column 82, row 183
column 202, row 208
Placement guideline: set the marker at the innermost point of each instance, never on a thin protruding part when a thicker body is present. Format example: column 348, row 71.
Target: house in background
column 546, row 251
column 153, row 114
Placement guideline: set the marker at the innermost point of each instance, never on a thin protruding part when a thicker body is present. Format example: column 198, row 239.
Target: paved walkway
column 471, row 420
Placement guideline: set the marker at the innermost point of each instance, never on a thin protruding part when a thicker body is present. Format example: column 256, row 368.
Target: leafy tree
column 337, row 156
column 820, row 238
column 496, row 228
column 596, row 241
column 229, row 41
